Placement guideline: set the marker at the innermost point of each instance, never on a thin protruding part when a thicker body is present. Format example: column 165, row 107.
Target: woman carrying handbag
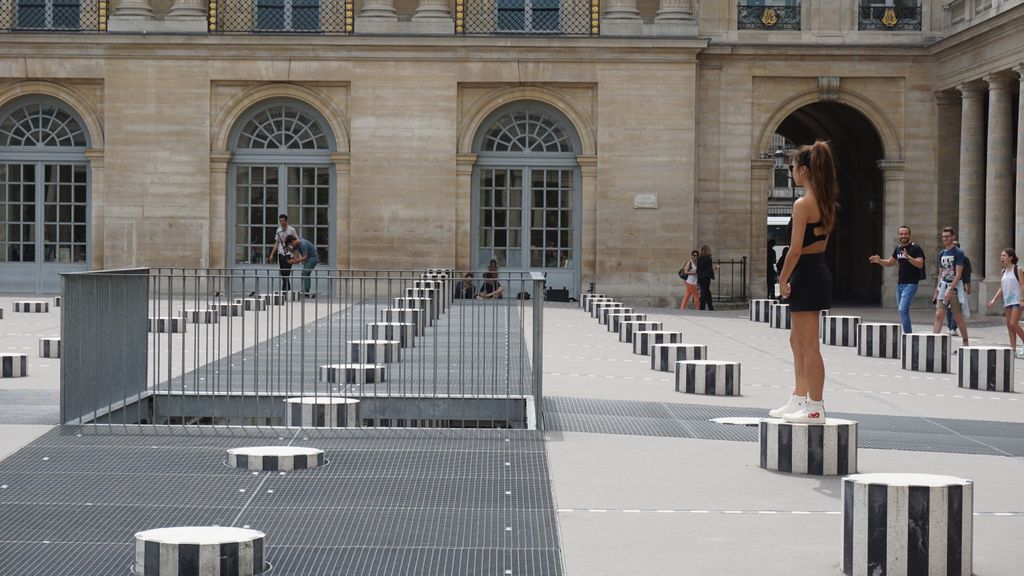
column 689, row 274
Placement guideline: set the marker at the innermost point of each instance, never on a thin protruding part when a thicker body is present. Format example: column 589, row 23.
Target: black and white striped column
column 642, row 341
column 899, row 523
column 201, row 316
column 986, row 368
column 609, row 310
column 778, row 316
column 230, row 309
column 199, row 551
column 759, row 309
column 709, row 377
column 13, row 365
column 585, row 297
column 405, row 316
column 404, row 332
column 375, row 351
column 273, row 299
column 252, row 304
column 878, row 339
column 595, row 312
column 626, row 329
column 165, row 325
column 275, row 458
column 615, row 318
column 352, row 373
column 665, row 356
column 31, row 306
column 322, row 412
column 56, row 301
column 426, row 305
column 430, row 293
column 828, row 449
column 922, row 352
column 1, row 313
column 589, row 305
column 49, row 347
column 289, row 295
column 840, row 330
column 821, row 321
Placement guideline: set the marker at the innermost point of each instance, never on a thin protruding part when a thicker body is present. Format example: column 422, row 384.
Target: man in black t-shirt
column 910, row 258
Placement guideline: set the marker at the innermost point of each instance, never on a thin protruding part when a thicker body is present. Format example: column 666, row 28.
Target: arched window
column 526, row 131
column 44, row 193
column 281, row 165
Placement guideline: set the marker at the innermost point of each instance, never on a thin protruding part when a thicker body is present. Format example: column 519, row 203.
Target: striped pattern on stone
column 404, row 332
column 201, row 316
column 164, row 325
column 425, row 304
column 375, row 351
column 606, row 312
column 778, row 316
column 986, row 368
column 840, row 330
column 926, row 352
column 31, row 306
column 589, row 306
column 627, row 328
column 56, row 301
column 322, row 412
column 821, row 321
column 585, row 297
column 405, row 315
column 199, row 551
column 289, row 295
column 878, row 339
column 709, row 377
column 642, row 341
column 13, row 365
column 616, row 318
column 230, row 309
column 275, row 458
column 49, row 347
column 252, row 304
column 909, row 524
column 759, row 309
column 665, row 356
column 431, row 293
column 351, row 373
column 1, row 313
column 273, row 299
column 828, row 449
column 595, row 312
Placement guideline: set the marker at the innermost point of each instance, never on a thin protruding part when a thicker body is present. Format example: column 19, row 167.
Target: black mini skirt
column 810, row 284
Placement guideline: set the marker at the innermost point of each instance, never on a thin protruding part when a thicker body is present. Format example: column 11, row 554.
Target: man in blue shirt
column 949, row 291
column 303, row 252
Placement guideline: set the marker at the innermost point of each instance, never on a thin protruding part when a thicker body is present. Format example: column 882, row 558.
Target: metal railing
column 889, row 18
column 247, row 346
column 518, row 17
column 282, row 16
column 768, row 17
column 730, row 284
column 53, row 15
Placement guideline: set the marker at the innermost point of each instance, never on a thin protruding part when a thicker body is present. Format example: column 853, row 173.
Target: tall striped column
column 878, row 340
column 908, row 524
column 986, row 368
column 778, row 316
column 759, row 309
column 828, row 449
column 840, row 330
column 925, row 352
column 199, row 551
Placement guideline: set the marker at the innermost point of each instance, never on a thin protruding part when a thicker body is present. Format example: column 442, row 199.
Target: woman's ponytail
column 821, row 168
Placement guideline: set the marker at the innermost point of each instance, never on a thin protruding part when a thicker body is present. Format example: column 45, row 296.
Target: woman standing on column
column 805, row 279
column 1011, row 288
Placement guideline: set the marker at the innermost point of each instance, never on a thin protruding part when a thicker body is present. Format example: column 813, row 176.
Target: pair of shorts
column 1011, row 307
column 810, row 284
column 954, row 301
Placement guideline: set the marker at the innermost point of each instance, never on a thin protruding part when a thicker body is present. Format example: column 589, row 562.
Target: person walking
column 806, row 280
column 1011, row 288
column 910, row 258
column 282, row 250
column 689, row 272
column 950, row 295
column 303, row 252
column 950, row 323
column 705, row 274
column 773, row 261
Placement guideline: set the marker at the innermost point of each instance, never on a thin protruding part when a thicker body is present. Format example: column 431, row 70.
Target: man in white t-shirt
column 283, row 252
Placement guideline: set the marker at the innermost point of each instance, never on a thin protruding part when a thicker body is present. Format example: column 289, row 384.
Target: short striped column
column 606, row 312
column 626, row 329
column 840, row 330
column 431, row 293
column 616, row 318
column 923, row 352
column 1, row 313
column 642, row 341
column 828, row 449
column 430, row 311
column 322, row 412
column 230, row 309
column 31, row 306
column 821, row 321
column 49, row 347
column 56, row 301
column 201, row 316
column 352, row 373
column 375, row 351
column 273, row 299
column 275, row 458
column 252, row 304
column 404, row 332
column 585, row 297
column 708, row 377
column 406, row 316
column 165, row 325
column 759, row 309
column 599, row 306
column 986, row 368
column 779, row 317
column 899, row 523
column 289, row 295
column 199, row 551
column 443, row 283
column 589, row 306
column 13, row 365
column 665, row 356
column 878, row 339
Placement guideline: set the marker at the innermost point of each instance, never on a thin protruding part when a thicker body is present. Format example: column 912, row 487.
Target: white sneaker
column 952, row 332
column 794, row 405
column 1019, row 352
column 811, row 413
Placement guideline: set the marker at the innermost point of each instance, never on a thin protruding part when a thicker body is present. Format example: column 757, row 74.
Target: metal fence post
column 538, row 347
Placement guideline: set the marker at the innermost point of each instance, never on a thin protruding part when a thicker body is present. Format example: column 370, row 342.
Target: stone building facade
column 598, row 142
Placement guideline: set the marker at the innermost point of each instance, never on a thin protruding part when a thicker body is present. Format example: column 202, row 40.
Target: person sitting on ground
column 491, row 288
column 465, row 289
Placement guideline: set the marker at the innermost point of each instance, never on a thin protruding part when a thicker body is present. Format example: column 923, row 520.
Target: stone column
column 761, row 177
column 674, row 10
column 998, row 176
column 623, row 10
column 893, row 215
column 586, row 252
column 971, row 227
column 131, row 16
column 1020, row 159
column 463, row 207
column 343, row 209
column 379, row 10
column 216, row 256
column 432, row 9
column 948, row 108
column 187, row 16
column 96, row 175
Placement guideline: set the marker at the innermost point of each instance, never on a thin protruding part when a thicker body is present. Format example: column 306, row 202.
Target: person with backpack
column 1011, row 288
column 950, row 321
column 910, row 258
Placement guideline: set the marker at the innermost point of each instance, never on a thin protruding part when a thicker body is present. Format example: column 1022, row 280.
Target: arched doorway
column 526, row 194
column 858, row 148
column 44, row 194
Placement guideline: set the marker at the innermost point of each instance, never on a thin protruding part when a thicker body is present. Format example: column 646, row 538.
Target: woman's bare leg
column 807, row 362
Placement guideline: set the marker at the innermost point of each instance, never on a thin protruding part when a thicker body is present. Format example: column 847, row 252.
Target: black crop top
column 809, row 236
